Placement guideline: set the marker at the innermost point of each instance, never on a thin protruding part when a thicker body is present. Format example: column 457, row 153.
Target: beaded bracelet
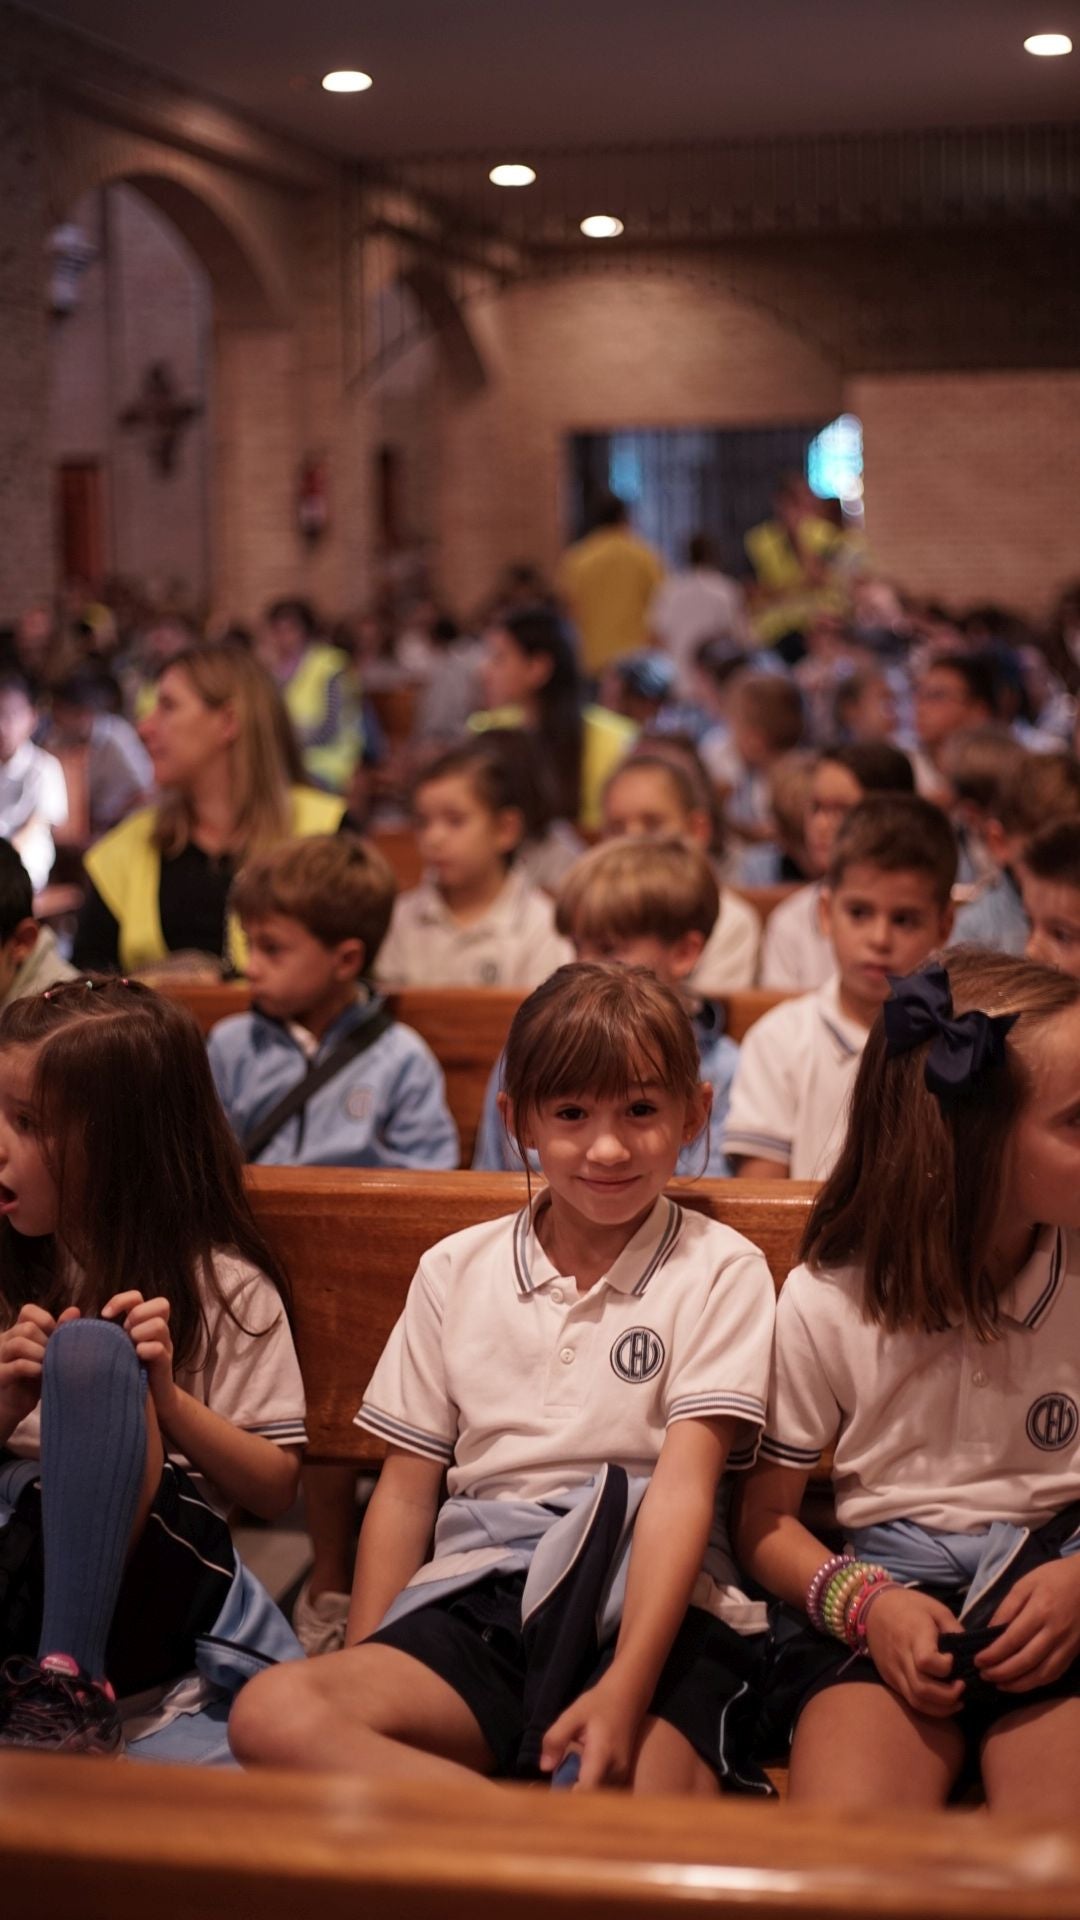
column 817, row 1585
column 840, row 1591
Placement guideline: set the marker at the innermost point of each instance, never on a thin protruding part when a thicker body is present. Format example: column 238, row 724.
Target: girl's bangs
column 604, row 1064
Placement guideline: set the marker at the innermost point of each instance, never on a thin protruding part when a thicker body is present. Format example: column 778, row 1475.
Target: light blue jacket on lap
column 386, row 1108
column 719, row 1056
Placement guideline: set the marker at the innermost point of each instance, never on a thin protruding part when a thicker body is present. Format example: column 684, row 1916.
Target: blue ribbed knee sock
column 93, row 1456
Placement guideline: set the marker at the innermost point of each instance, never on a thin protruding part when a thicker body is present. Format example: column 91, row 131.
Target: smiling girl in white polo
column 583, row 1373
column 933, row 1340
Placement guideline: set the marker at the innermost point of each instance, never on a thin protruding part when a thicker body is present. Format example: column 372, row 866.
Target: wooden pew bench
column 465, row 1027
column 81, row 1838
column 114, row 1844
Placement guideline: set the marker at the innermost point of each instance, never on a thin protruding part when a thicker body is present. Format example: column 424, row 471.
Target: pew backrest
column 465, row 1027
column 351, row 1241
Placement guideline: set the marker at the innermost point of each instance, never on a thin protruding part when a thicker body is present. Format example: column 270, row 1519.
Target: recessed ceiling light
column 602, row 226
column 346, row 81
column 1048, row 45
column 512, row 175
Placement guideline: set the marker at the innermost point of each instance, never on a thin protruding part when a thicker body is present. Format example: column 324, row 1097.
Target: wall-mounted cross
column 161, row 412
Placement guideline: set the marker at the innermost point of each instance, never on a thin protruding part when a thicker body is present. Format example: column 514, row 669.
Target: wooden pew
column 765, row 900
column 351, row 1240
column 465, row 1027
column 106, row 1843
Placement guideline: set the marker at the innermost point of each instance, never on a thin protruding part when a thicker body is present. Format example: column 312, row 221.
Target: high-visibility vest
column 306, row 695
column 125, row 867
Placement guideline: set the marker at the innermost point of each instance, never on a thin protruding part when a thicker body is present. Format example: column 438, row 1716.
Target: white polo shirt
column 514, row 945
column 730, row 954
column 940, row 1428
column 795, row 954
column 525, row 1387
column 791, row 1089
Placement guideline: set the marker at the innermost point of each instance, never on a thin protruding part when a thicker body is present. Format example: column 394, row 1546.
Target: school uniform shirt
column 939, row 1428
column 386, row 1108
column 514, row 945
column 790, row 1095
column 730, row 954
column 795, row 954
column 995, row 919
column 33, row 800
column 247, row 1370
column 523, row 1388
column 495, row 1152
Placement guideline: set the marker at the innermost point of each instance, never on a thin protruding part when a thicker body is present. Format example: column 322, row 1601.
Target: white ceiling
column 504, row 77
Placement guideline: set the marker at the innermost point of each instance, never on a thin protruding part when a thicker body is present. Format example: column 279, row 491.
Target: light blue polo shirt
column 386, row 1108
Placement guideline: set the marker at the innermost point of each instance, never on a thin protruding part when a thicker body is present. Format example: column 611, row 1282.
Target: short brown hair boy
column 898, row 833
column 337, row 886
column 627, row 889
column 1045, row 788
column 772, row 706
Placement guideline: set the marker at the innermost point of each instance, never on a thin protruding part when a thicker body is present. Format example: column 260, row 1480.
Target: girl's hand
column 146, row 1322
column 603, row 1727
column 1041, row 1618
column 22, row 1353
column 902, row 1636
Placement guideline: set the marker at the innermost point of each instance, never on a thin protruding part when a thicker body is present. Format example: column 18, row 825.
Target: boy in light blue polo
column 314, row 913
column 645, row 903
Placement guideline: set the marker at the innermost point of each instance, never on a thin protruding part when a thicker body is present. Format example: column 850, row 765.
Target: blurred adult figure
column 159, row 882
column 803, row 565
column 700, row 603
column 318, row 686
column 607, row 581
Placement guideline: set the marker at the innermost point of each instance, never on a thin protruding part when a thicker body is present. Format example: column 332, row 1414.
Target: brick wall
column 973, row 483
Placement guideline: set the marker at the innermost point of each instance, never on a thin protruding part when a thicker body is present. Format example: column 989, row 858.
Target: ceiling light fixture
column 602, row 226
column 512, row 175
column 346, row 81
column 1048, row 46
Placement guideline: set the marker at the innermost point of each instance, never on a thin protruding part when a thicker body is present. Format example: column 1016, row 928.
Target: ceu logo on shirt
column 1052, row 1422
column 360, row 1103
column 637, row 1355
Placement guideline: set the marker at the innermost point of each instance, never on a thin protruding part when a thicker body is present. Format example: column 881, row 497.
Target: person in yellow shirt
column 607, row 582
column 803, row 565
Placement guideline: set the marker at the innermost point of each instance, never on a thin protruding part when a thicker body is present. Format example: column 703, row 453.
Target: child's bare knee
column 268, row 1714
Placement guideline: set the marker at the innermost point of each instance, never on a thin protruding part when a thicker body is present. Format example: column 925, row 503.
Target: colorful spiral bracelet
column 838, row 1596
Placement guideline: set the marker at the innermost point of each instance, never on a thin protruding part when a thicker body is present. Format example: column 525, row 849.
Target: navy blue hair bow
column 962, row 1046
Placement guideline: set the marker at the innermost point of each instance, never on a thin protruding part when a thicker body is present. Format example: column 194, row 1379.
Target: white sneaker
column 319, row 1624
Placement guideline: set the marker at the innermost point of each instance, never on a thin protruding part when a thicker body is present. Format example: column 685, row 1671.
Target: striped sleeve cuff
column 714, row 1406
column 283, row 1433
column 786, row 1455
column 757, row 1146
column 399, row 1434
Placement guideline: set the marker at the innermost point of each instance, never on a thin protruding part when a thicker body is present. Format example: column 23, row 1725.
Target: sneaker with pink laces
column 52, row 1705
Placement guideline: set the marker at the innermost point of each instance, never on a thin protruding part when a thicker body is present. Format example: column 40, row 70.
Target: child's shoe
column 319, row 1624
column 52, row 1705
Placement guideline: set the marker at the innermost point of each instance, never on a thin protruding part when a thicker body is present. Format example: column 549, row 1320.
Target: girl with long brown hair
column 580, row 1372
column 931, row 1339
column 148, row 1380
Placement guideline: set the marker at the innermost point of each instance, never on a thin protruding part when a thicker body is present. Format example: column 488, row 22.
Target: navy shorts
column 709, row 1689
column 801, row 1663
column 173, row 1589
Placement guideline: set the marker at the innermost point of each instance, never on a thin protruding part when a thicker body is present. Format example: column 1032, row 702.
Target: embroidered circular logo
column 360, row 1103
column 637, row 1355
column 1052, row 1422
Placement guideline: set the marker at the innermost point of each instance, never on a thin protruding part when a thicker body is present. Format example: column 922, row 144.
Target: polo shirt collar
column 639, row 1261
column 1032, row 1294
column 847, row 1036
column 501, row 916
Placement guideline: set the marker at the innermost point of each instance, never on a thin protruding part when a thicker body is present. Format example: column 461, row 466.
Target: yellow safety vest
column 125, row 867
column 305, row 695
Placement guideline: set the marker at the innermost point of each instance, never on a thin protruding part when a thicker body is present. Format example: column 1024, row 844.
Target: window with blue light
column 834, row 463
